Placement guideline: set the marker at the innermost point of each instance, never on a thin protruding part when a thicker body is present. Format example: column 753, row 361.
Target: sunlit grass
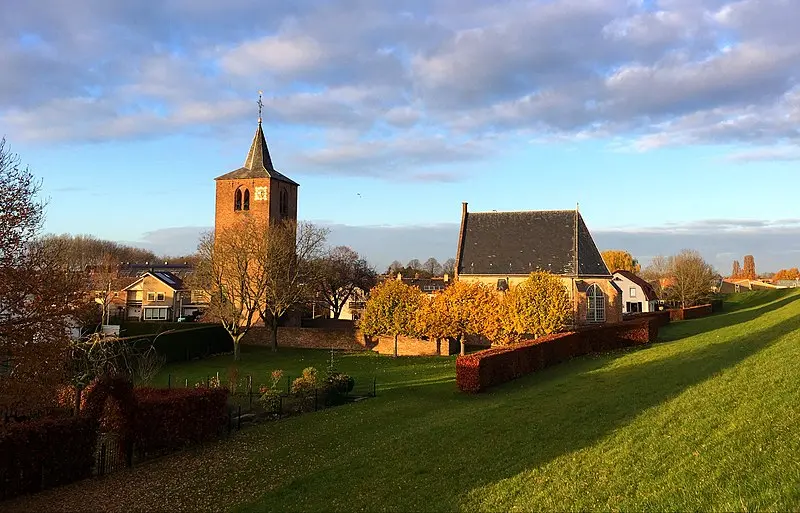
column 705, row 420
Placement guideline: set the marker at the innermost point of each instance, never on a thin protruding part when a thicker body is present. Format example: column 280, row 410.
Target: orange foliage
column 787, row 274
column 619, row 260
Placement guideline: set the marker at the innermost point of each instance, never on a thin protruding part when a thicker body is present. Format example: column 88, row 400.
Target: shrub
column 44, row 453
column 306, row 383
column 484, row 369
column 270, row 396
column 336, row 388
column 169, row 419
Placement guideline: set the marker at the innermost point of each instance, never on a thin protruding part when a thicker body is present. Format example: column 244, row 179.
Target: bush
column 306, row 383
column 478, row 371
column 336, row 388
column 169, row 419
column 43, row 453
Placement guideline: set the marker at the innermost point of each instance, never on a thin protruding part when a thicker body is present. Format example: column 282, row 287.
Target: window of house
column 160, row 296
column 237, row 200
column 632, row 292
column 155, row 314
column 596, row 308
column 151, row 296
column 246, row 201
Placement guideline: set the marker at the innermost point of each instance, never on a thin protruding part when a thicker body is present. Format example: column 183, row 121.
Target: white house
column 637, row 295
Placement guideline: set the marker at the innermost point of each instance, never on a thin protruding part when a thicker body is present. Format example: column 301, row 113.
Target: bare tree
column 286, row 269
column 692, row 278
column 449, row 266
column 394, row 267
column 432, row 266
column 414, row 264
column 658, row 274
column 226, row 269
column 342, row 272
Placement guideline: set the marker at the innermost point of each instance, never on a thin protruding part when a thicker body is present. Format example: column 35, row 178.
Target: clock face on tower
column 262, row 193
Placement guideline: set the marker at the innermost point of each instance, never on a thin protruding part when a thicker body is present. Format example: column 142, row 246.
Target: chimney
column 446, row 278
column 463, row 208
column 399, row 276
column 416, row 276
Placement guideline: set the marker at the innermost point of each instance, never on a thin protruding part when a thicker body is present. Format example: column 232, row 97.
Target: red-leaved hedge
column 661, row 317
column 167, row 420
column 478, row 371
column 40, row 454
column 693, row 312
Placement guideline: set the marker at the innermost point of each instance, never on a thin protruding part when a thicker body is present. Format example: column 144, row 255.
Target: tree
column 449, row 267
column 692, row 278
column 736, row 272
column 394, row 268
column 391, row 310
column 749, row 269
column 657, row 273
column 286, row 269
column 342, row 271
column 432, row 266
column 619, row 260
column 225, row 270
column 414, row 264
column 83, row 252
column 787, row 274
column 538, row 306
column 38, row 295
column 460, row 310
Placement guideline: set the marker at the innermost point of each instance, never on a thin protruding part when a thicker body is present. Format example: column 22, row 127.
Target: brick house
column 160, row 296
column 502, row 248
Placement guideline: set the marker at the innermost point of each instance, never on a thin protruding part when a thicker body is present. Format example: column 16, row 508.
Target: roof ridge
column 520, row 211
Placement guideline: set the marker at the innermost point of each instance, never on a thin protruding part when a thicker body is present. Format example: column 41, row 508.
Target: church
column 256, row 188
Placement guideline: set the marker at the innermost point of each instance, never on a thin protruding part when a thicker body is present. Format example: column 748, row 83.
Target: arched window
column 237, row 200
column 246, row 200
column 284, row 203
column 596, row 311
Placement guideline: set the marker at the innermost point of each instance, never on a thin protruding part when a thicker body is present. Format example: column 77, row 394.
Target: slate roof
column 169, row 279
column 258, row 163
column 503, row 243
column 649, row 291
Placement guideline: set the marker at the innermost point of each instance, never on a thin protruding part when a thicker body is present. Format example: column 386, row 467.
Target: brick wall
column 347, row 338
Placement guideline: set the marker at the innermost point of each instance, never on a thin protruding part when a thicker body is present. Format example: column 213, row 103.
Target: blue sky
column 674, row 123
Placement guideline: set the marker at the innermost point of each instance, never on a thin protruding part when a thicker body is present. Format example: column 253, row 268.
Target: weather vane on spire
column 260, row 106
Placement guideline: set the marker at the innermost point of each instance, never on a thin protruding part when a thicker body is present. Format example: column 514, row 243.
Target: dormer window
column 246, row 203
column 237, row 200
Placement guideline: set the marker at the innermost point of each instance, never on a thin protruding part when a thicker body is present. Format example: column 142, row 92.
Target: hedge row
column 169, row 419
column 693, row 312
column 40, row 454
column 662, row 317
column 183, row 345
column 481, row 370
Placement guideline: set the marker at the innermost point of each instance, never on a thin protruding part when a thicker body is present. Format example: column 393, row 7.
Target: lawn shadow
column 612, row 399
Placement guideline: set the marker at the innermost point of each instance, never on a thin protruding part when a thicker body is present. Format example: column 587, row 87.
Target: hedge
column 661, row 316
column 40, row 454
column 693, row 312
column 481, row 370
column 185, row 344
column 169, row 419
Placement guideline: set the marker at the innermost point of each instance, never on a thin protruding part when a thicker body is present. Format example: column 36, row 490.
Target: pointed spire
column 258, row 157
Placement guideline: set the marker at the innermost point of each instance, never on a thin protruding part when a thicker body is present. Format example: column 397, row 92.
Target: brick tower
column 256, row 188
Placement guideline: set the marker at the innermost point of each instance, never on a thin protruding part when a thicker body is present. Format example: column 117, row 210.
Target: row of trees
column 431, row 267
column 538, row 306
column 258, row 271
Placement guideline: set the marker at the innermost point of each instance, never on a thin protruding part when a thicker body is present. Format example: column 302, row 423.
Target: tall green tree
column 391, row 310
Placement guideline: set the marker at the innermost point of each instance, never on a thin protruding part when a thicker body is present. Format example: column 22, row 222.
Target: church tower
column 256, row 188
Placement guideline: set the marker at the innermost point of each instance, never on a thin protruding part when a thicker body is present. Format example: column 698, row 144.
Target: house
column 637, row 295
column 732, row 286
column 160, row 296
column 502, row 248
column 789, row 284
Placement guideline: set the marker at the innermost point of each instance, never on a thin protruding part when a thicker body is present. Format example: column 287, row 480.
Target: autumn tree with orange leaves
column 391, row 310
column 460, row 310
column 619, row 260
column 787, row 274
column 538, row 306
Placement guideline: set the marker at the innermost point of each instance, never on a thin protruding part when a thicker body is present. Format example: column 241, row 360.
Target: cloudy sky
column 674, row 123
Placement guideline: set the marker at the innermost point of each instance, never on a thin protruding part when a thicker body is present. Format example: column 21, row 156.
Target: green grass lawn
column 708, row 419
